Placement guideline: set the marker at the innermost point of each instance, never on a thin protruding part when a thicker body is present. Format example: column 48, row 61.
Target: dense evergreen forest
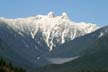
column 8, row 67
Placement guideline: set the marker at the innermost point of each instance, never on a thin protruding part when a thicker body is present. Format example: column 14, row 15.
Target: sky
column 91, row 11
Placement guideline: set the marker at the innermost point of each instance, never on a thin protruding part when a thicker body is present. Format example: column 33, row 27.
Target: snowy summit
column 55, row 30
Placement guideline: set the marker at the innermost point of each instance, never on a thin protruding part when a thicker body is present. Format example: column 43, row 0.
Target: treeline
column 94, row 70
column 8, row 67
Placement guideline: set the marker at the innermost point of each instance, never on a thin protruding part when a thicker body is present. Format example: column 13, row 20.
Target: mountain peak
column 64, row 15
column 51, row 14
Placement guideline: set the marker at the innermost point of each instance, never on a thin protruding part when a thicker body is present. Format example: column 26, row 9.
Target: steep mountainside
column 94, row 58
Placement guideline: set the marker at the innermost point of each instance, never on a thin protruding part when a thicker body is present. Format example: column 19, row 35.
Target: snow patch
column 61, row 60
column 101, row 34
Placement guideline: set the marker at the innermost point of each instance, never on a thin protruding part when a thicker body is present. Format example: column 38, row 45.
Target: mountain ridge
column 55, row 29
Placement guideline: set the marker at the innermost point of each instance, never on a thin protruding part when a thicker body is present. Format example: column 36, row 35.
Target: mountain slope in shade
column 94, row 58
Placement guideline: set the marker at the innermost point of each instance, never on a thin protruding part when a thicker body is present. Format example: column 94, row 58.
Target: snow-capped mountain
column 44, row 39
column 55, row 29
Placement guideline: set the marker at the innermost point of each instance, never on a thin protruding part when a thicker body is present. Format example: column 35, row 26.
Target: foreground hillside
column 8, row 67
